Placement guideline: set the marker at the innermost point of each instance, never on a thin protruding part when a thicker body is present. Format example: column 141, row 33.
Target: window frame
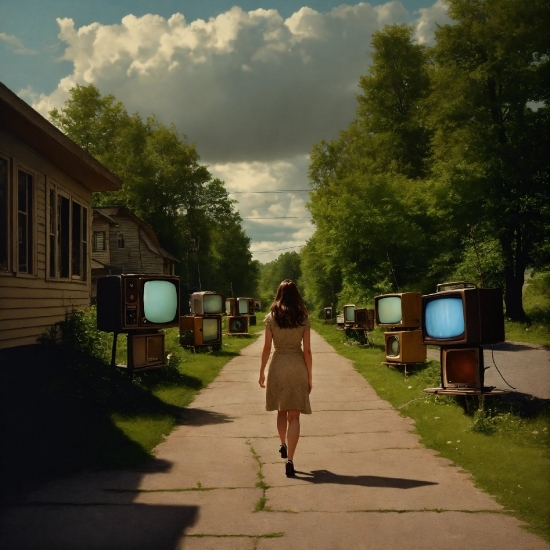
column 7, row 268
column 85, row 231
column 94, row 242
column 17, row 167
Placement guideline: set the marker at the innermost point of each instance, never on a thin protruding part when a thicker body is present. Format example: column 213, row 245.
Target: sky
column 253, row 83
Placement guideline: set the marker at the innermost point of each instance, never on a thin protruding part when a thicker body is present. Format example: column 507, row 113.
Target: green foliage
column 286, row 266
column 446, row 141
column 166, row 186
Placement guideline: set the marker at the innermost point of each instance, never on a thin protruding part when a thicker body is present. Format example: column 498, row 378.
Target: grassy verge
column 63, row 409
column 502, row 442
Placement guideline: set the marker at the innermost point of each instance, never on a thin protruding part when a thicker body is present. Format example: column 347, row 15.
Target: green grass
column 64, row 409
column 504, row 444
column 536, row 303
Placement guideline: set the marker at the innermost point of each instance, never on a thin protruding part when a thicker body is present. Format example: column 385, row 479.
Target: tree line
column 443, row 173
column 166, row 186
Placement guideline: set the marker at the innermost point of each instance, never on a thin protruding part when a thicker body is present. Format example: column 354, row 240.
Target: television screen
column 462, row 368
column 245, row 306
column 237, row 325
column 444, row 318
column 393, row 347
column 160, row 301
column 405, row 346
column 349, row 313
column 213, row 303
column 135, row 302
column 466, row 316
column 389, row 310
column 210, row 330
column 398, row 310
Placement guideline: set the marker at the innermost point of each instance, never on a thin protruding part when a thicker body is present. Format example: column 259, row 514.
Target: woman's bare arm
column 308, row 358
column 265, row 355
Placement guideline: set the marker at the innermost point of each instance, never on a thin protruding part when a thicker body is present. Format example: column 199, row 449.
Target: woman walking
column 289, row 379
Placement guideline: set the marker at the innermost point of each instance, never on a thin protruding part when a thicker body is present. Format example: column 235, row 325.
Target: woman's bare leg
column 281, row 425
column 293, row 431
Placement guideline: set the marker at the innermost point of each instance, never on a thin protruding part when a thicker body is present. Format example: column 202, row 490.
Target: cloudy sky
column 254, row 83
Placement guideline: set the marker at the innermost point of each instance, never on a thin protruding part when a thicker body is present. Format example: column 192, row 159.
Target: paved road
column 526, row 367
column 364, row 482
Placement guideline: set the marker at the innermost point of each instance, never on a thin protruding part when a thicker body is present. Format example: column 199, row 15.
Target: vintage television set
column 137, row 302
column 462, row 368
column 237, row 324
column 398, row 310
column 462, row 315
column 364, row 318
column 257, row 305
column 349, row 314
column 405, row 346
column 207, row 303
column 146, row 351
column 245, row 306
column 204, row 330
column 327, row 314
column 231, row 306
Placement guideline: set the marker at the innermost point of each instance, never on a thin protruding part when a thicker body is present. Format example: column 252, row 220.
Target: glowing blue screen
column 389, row 310
column 160, row 301
column 444, row 318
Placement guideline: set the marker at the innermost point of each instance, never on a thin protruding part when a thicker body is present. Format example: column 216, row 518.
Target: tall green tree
column 286, row 266
column 373, row 209
column 165, row 185
column 490, row 118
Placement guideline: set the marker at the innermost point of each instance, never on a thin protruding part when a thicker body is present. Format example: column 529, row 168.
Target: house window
column 68, row 237
column 3, row 214
column 121, row 240
column 98, row 243
column 25, row 222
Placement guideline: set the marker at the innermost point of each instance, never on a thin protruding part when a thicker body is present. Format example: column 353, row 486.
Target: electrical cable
column 495, row 365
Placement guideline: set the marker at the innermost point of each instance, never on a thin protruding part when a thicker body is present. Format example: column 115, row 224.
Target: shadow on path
column 325, row 476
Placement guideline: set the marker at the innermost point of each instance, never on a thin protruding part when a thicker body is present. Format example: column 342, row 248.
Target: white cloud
column 251, row 180
column 16, row 44
column 253, row 91
column 429, row 19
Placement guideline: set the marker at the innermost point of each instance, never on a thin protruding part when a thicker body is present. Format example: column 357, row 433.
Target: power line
column 281, row 218
column 263, row 192
column 276, row 249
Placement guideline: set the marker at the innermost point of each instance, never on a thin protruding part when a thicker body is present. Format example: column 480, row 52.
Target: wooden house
column 46, row 184
column 124, row 243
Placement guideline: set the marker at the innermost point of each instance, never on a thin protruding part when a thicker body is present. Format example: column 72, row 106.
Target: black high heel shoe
column 283, row 450
column 289, row 468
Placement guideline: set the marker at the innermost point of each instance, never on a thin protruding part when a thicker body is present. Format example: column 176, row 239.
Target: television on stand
column 201, row 330
column 405, row 346
column 207, row 303
column 257, row 305
column 364, row 319
column 245, row 306
column 327, row 314
column 146, row 351
column 237, row 324
column 231, row 306
column 462, row 368
column 349, row 314
column 462, row 315
column 128, row 303
column 402, row 310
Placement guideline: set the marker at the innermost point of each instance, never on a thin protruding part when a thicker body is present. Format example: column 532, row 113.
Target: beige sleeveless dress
column 287, row 382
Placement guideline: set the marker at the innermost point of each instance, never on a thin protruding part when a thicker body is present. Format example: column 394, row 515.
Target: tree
column 286, row 266
column 374, row 209
column 166, row 186
column 489, row 113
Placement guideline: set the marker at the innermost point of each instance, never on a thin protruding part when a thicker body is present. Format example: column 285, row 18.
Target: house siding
column 30, row 304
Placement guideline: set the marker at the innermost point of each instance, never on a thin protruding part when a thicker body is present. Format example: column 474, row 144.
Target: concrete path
column 364, row 482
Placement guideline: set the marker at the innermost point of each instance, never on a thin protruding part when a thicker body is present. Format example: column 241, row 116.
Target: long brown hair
column 288, row 309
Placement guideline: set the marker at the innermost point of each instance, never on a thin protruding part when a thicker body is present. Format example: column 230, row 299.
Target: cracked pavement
column 363, row 481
